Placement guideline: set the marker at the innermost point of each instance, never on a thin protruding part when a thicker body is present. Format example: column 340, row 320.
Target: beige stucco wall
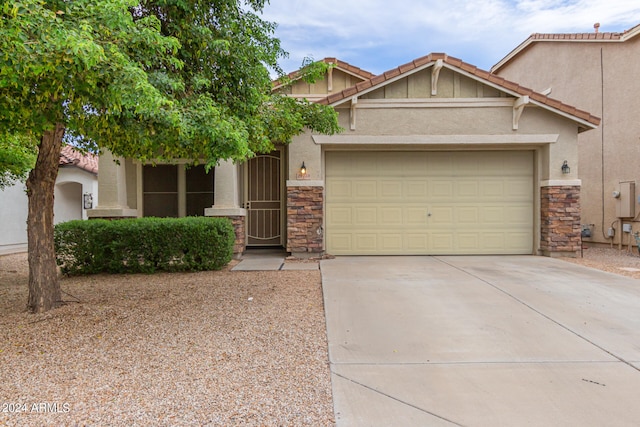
column 132, row 183
column 303, row 149
column 114, row 188
column 473, row 121
column 456, row 122
column 601, row 78
column 448, row 120
column 450, row 85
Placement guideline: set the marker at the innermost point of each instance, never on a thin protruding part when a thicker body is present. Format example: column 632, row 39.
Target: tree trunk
column 44, row 288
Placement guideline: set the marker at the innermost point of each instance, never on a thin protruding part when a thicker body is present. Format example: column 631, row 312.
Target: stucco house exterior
column 436, row 157
column 598, row 72
column 77, row 179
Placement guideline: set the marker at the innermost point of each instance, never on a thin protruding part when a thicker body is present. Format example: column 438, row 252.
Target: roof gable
column 593, row 37
column 345, row 67
column 441, row 60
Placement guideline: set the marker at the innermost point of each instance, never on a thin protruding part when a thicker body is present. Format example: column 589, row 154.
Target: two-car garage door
column 433, row 203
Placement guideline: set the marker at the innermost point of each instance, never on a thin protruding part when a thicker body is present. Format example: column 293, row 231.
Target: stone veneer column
column 305, row 215
column 560, row 220
column 112, row 190
column 226, row 203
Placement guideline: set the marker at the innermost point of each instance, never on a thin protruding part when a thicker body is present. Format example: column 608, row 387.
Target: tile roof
column 468, row 68
column 593, row 37
column 72, row 157
column 352, row 69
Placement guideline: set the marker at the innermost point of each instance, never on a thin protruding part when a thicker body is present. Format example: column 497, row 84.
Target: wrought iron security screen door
column 264, row 199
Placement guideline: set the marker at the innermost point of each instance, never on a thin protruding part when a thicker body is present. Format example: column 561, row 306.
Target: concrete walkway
column 481, row 341
column 269, row 260
column 13, row 249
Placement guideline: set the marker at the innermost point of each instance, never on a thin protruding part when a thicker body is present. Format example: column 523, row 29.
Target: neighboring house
column 77, row 177
column 76, row 185
column 436, row 157
column 598, row 72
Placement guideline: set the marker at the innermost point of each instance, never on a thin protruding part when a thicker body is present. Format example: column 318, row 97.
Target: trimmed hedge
column 143, row 245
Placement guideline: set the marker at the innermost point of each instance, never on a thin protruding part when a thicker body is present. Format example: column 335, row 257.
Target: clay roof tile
column 69, row 156
column 482, row 74
column 407, row 67
column 422, row 61
column 391, row 73
column 454, row 61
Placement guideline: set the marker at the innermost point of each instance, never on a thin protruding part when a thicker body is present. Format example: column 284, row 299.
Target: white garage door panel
column 429, row 203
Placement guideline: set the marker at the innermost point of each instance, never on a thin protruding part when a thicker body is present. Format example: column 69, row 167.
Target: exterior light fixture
column 302, row 172
column 87, row 200
column 565, row 168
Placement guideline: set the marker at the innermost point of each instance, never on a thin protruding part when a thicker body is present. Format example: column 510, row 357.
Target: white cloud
column 377, row 35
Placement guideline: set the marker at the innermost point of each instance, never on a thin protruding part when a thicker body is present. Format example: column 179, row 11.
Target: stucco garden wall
column 13, row 215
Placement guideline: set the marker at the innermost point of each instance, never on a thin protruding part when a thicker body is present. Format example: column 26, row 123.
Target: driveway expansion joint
column 396, row 399
column 530, row 307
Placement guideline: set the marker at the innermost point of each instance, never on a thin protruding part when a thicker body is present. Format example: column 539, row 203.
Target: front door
column 263, row 199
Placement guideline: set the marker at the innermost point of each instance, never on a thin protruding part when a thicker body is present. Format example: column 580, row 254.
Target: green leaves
column 17, row 157
column 155, row 79
column 144, row 245
column 60, row 57
column 224, row 88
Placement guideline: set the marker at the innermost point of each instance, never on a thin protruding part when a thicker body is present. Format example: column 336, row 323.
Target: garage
column 429, row 202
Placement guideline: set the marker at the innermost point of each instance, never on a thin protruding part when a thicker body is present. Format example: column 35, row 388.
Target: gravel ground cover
column 210, row 348
column 613, row 260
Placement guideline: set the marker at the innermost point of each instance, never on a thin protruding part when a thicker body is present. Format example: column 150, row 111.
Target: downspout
column 602, row 145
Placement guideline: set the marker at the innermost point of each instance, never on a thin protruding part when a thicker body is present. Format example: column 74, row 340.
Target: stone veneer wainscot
column 560, row 221
column 238, row 223
column 304, row 219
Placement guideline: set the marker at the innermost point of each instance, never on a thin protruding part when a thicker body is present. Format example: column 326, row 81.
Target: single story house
column 76, row 191
column 436, row 157
column 596, row 71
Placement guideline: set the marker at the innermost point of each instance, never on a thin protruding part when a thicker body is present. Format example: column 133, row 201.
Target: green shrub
column 143, row 245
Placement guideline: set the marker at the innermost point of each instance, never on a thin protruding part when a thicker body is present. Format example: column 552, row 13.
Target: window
column 176, row 190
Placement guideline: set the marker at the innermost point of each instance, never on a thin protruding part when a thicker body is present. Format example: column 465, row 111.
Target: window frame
column 181, row 184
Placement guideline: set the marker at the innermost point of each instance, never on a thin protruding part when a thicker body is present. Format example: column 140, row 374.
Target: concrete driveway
column 481, row 341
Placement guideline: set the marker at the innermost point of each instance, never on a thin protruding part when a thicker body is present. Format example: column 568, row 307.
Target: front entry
column 263, row 199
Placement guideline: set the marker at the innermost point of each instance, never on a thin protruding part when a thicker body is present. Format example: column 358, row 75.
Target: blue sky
column 378, row 35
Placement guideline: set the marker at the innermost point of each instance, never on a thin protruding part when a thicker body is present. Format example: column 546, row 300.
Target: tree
column 226, row 50
column 151, row 80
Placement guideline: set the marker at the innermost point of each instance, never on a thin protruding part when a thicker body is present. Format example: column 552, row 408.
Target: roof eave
column 579, row 38
column 583, row 124
column 582, row 118
column 345, row 67
column 515, row 52
column 374, row 87
column 631, row 33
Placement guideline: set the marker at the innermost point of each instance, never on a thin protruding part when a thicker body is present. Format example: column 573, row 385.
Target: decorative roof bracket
column 435, row 73
column 354, row 104
column 518, row 108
